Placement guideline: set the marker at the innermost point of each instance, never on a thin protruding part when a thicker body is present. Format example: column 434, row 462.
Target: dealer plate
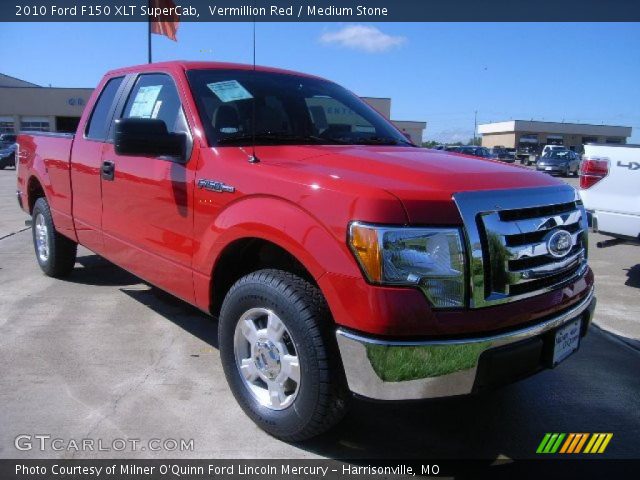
column 566, row 342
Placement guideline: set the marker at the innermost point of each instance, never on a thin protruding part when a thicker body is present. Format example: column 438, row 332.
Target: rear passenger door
column 148, row 201
column 86, row 158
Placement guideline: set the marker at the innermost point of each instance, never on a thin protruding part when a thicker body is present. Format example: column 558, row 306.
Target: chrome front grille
column 509, row 236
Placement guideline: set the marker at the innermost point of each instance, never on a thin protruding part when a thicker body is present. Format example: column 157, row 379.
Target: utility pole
column 475, row 126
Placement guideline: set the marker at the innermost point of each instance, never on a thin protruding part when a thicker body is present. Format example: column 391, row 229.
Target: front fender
column 282, row 223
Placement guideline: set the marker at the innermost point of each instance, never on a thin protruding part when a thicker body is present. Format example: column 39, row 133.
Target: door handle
column 108, row 170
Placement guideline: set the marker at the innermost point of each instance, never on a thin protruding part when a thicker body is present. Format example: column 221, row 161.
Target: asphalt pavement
column 103, row 356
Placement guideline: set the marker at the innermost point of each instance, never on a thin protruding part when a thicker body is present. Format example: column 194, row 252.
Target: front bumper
column 406, row 370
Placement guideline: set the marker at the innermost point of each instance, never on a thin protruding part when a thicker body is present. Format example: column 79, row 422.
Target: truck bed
column 47, row 156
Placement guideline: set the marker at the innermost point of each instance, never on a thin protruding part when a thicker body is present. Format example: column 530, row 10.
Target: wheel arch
column 35, row 190
column 248, row 254
column 298, row 237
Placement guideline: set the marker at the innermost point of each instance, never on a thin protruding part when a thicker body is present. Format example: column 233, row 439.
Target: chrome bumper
column 405, row 370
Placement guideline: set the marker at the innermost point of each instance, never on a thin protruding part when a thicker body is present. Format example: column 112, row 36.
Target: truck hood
column 423, row 180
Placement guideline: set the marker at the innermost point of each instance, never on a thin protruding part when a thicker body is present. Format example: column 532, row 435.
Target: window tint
column 155, row 96
column 97, row 126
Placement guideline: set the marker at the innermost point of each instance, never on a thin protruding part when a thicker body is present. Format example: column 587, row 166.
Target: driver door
column 148, row 201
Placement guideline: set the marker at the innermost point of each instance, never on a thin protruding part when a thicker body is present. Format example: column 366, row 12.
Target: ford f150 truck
column 609, row 188
column 338, row 257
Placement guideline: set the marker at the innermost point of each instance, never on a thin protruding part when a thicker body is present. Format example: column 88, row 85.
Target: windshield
column 557, row 155
column 285, row 109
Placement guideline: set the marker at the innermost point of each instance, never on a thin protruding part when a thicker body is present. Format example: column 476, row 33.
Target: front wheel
column 56, row 254
column 279, row 355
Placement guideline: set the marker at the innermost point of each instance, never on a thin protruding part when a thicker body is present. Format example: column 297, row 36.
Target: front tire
column 279, row 355
column 55, row 253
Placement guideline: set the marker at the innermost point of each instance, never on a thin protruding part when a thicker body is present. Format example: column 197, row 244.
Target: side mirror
column 148, row 137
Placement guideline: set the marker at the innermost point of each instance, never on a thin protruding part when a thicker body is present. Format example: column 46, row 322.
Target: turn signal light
column 592, row 170
column 364, row 242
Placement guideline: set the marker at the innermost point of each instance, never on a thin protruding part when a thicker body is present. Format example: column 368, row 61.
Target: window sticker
column 145, row 101
column 229, row 91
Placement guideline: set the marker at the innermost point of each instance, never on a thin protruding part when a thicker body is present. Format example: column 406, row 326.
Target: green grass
column 398, row 364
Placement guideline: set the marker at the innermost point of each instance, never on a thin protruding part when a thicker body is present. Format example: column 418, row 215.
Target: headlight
column 429, row 258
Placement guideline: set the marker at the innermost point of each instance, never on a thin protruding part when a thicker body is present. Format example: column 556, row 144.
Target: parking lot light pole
column 475, row 126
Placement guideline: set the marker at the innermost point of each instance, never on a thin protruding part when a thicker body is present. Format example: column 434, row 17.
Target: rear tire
column 55, row 253
column 280, row 356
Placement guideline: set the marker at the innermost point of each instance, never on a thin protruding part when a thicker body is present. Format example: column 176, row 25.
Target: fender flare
column 287, row 225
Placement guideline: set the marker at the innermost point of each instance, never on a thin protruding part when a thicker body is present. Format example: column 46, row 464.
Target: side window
column 155, row 96
column 98, row 122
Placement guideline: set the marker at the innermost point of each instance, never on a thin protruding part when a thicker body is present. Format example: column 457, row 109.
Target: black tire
column 322, row 397
column 62, row 251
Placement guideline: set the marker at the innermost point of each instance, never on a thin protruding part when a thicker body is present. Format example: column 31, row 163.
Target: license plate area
column 566, row 341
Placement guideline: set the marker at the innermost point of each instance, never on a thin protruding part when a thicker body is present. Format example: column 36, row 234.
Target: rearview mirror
column 148, row 137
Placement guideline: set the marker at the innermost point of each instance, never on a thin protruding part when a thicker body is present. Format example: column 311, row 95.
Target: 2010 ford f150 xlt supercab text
column 339, row 258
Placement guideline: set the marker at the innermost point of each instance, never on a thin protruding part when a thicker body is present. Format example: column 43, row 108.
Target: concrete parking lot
column 101, row 355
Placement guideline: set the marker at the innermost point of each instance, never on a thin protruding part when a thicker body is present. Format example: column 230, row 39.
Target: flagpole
column 149, row 36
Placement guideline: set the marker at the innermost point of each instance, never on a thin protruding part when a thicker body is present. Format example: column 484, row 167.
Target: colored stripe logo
column 574, row 443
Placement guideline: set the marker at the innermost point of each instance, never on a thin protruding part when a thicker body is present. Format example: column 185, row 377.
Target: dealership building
column 27, row 106
column 412, row 129
column 534, row 134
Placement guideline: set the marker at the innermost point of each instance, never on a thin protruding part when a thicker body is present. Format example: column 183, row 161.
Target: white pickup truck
column 610, row 189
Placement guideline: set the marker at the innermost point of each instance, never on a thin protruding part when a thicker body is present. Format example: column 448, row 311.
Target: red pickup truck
column 338, row 257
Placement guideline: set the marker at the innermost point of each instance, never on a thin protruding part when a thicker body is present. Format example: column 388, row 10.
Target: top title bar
column 322, row 10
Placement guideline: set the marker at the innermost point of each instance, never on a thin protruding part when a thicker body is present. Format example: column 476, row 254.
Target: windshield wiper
column 277, row 137
column 380, row 141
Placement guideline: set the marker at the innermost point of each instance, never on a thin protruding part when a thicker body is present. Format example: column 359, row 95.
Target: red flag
column 166, row 23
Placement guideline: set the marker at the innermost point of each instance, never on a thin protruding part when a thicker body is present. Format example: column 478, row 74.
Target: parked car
column 560, row 162
column 511, row 152
column 502, row 154
column 338, row 257
column 481, row 152
column 6, row 140
column 547, row 149
column 527, row 154
column 609, row 180
column 7, row 157
column 7, row 150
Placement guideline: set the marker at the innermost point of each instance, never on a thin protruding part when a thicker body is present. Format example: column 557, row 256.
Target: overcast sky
column 439, row 73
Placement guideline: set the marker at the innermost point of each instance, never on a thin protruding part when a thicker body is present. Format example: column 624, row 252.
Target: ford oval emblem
column 559, row 243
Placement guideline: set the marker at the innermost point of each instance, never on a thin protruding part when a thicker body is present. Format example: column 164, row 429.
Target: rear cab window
column 102, row 111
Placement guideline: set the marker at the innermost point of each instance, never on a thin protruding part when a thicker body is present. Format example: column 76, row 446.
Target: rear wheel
column 56, row 254
column 279, row 355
